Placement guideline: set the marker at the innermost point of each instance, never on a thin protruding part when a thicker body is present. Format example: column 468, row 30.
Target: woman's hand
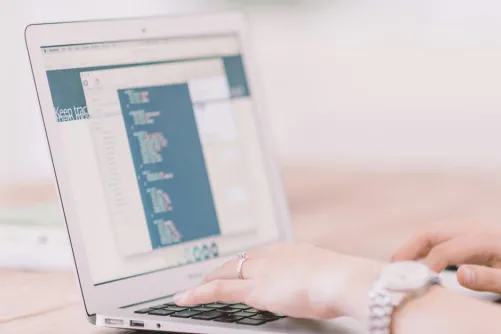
column 477, row 252
column 294, row 280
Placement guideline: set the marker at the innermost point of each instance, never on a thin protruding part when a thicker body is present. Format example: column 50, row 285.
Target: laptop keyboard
column 220, row 312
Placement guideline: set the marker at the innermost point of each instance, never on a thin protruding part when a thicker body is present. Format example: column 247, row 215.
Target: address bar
column 138, row 52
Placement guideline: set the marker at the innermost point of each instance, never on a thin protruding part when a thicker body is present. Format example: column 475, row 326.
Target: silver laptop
column 160, row 156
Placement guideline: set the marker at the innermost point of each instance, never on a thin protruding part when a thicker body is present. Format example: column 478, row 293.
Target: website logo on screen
column 73, row 113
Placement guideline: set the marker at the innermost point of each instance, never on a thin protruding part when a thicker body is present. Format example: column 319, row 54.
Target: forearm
column 439, row 311
column 443, row 311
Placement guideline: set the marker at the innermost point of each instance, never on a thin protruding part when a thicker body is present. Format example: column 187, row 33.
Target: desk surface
column 363, row 213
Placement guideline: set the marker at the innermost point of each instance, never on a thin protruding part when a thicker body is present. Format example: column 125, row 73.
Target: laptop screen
column 162, row 150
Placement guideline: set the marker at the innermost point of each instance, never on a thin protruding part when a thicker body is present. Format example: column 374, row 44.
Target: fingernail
column 469, row 276
column 182, row 297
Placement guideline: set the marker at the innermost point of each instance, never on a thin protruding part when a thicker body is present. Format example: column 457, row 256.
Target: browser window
column 162, row 151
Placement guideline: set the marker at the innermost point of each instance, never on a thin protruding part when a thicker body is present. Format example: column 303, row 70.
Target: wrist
column 341, row 286
column 358, row 284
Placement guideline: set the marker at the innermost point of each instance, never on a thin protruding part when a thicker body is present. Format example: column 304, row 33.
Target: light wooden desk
column 361, row 213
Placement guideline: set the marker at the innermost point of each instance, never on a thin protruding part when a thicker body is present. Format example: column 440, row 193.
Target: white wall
column 365, row 82
column 8, row 83
column 386, row 82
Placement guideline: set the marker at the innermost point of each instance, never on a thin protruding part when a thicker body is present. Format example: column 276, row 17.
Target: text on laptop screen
column 162, row 150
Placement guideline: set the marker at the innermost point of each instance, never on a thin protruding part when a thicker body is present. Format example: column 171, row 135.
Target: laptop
column 156, row 132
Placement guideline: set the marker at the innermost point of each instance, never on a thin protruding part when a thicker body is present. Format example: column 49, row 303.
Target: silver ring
column 242, row 258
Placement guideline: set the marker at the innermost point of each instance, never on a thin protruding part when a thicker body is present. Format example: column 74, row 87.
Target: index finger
column 419, row 246
column 469, row 249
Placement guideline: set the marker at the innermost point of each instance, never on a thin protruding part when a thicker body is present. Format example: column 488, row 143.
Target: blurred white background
column 356, row 83
column 394, row 102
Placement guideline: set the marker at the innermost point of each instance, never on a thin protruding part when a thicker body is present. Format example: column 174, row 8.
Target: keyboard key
column 269, row 314
column 144, row 310
column 252, row 310
column 215, row 305
column 161, row 312
column 185, row 314
column 264, row 317
column 242, row 314
column 228, row 318
column 240, row 306
column 251, row 322
column 174, row 308
column 200, row 309
column 208, row 315
column 157, row 307
column 170, row 304
column 227, row 309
